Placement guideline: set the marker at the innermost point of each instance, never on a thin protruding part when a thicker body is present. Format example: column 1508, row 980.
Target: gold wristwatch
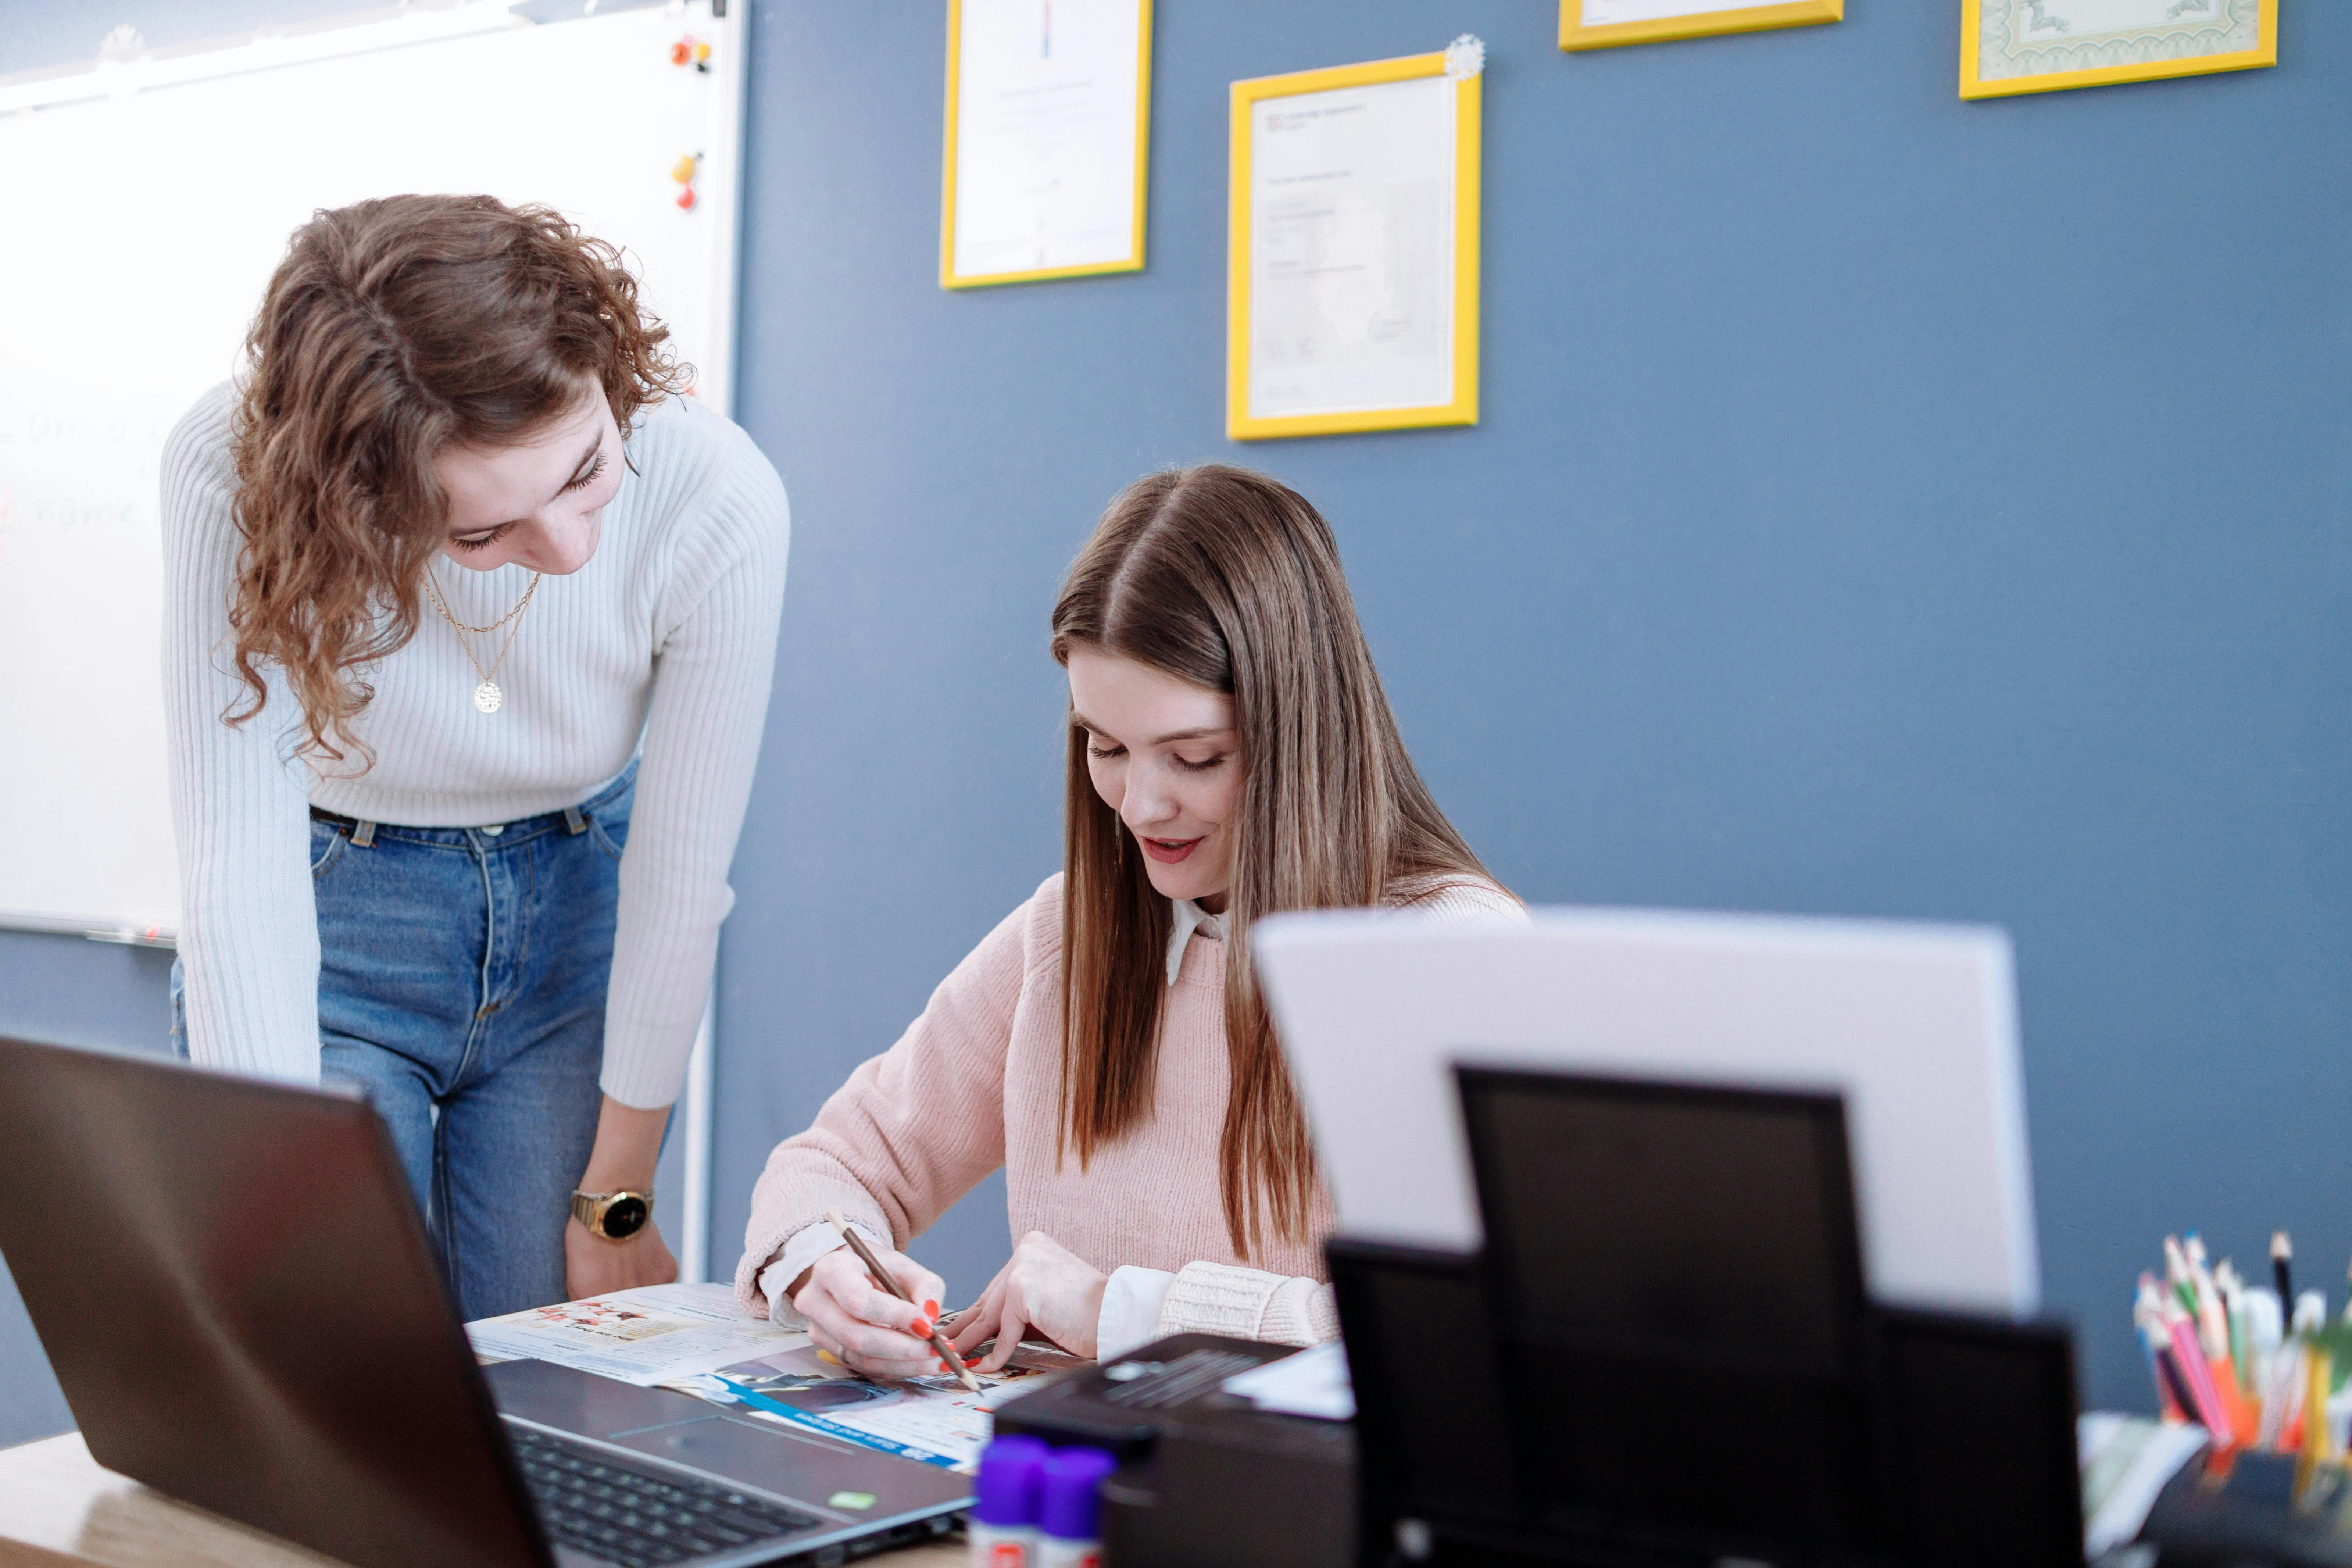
column 615, row 1217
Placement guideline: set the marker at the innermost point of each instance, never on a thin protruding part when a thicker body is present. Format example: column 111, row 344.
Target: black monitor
column 1432, row 1438
column 1981, row 1440
column 1665, row 1356
column 1675, row 1279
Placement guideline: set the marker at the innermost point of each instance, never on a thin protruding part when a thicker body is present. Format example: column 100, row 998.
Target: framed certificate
column 2045, row 46
column 1600, row 24
column 1048, row 123
column 1352, row 282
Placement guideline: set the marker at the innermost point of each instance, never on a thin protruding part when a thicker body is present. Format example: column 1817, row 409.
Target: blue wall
column 1886, row 505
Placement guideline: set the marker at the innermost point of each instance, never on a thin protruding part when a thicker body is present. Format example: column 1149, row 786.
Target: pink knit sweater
column 974, row 1083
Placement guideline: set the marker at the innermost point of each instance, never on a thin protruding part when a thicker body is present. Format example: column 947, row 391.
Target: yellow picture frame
column 1576, row 34
column 1974, row 84
column 1462, row 408
column 1133, row 261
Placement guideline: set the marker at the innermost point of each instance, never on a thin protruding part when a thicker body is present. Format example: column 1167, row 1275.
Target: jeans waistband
column 571, row 818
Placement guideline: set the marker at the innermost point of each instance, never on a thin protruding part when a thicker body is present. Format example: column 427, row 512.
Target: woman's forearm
column 628, row 1145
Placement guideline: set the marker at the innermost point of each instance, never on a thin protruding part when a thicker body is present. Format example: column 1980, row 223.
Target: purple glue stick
column 1069, row 1532
column 1003, row 1523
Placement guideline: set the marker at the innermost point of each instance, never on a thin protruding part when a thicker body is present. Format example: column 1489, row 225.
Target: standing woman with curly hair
column 470, row 619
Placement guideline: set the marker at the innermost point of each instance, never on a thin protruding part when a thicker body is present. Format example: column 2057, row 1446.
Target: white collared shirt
column 1190, row 917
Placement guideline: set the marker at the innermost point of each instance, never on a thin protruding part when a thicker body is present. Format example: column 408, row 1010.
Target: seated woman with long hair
column 1231, row 754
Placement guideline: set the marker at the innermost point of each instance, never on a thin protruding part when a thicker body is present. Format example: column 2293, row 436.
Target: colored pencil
column 890, row 1282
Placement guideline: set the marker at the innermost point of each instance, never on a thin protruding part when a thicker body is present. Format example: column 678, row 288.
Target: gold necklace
column 487, row 696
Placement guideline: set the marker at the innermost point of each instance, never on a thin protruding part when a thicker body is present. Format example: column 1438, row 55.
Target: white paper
column 1313, row 1382
column 1351, row 250
column 2126, row 1461
column 656, row 1333
column 1609, row 13
column 1045, row 134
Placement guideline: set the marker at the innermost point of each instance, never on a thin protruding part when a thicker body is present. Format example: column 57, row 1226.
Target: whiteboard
column 144, row 226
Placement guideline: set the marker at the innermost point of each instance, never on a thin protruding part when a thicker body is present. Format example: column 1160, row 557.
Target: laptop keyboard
column 640, row 1516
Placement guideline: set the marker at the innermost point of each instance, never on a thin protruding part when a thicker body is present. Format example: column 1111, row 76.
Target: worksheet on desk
column 653, row 1334
column 931, row 1419
column 1352, row 249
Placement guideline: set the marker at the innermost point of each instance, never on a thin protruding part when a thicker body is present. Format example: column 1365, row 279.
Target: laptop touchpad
column 736, row 1450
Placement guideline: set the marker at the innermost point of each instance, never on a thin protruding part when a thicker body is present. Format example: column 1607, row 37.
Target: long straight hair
column 1231, row 581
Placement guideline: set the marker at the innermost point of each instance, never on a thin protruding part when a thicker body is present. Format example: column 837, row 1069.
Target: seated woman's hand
column 865, row 1326
column 1046, row 1287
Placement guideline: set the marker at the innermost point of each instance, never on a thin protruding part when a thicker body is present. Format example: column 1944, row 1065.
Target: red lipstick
column 1168, row 851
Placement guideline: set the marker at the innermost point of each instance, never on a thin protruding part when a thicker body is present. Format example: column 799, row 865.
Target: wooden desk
column 58, row 1508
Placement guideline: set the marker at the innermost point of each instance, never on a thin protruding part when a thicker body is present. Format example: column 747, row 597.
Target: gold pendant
column 488, row 697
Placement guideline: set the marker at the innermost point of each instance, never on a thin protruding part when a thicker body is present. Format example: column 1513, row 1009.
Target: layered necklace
column 487, row 696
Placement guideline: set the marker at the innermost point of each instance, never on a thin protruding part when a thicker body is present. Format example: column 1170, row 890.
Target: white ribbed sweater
column 666, row 639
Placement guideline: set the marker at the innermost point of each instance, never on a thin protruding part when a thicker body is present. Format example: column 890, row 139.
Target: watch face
column 625, row 1217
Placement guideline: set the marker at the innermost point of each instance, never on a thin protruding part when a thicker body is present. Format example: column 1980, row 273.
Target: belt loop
column 363, row 835
column 575, row 821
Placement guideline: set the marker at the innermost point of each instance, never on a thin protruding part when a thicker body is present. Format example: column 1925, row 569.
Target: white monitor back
column 142, row 230
column 1915, row 1025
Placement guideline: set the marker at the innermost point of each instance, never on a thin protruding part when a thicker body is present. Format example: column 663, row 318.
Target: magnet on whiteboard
column 683, row 170
column 121, row 46
column 1466, row 57
column 686, row 199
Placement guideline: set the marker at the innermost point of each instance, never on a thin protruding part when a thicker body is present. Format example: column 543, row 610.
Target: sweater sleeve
column 240, row 799
column 717, row 643
column 1248, row 1304
column 914, row 1129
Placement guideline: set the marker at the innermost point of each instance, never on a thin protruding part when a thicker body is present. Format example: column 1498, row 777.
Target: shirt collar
column 1190, row 917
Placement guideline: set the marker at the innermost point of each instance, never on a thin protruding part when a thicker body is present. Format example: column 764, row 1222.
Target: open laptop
column 235, row 1289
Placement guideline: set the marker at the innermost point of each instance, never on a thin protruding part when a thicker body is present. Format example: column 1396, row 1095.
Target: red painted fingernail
column 920, row 1328
column 931, row 1309
column 945, row 1367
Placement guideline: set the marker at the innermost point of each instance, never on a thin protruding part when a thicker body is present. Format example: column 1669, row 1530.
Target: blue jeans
column 461, row 988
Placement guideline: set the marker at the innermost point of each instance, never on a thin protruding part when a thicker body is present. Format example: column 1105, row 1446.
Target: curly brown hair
column 392, row 328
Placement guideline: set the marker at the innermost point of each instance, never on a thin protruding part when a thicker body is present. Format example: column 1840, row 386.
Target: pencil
column 890, row 1282
column 2234, row 1307
column 2176, row 1275
column 2199, row 1377
column 2212, row 1322
column 2178, row 1401
column 2282, row 1254
column 2148, row 1316
column 2316, row 1434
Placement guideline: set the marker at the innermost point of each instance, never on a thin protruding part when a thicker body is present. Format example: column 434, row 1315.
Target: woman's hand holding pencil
column 928, row 1325
column 877, row 1314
